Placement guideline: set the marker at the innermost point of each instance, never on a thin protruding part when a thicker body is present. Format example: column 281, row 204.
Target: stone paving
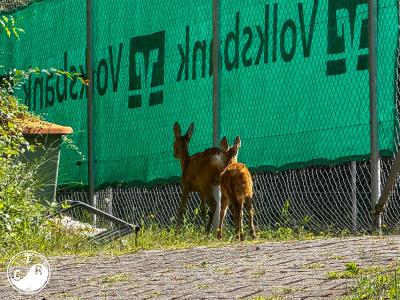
column 286, row 270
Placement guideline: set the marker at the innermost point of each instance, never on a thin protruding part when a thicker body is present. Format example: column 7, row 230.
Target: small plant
column 224, row 271
column 351, row 271
column 120, row 277
column 333, row 275
column 23, row 221
column 8, row 25
column 314, row 266
column 258, row 274
column 203, row 286
column 285, row 214
column 338, row 257
column 377, row 285
column 273, row 297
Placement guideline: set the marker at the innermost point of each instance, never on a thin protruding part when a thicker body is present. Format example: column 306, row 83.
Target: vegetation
column 384, row 285
column 23, row 220
column 55, row 240
column 372, row 282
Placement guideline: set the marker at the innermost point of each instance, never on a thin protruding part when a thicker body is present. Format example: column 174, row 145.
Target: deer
column 237, row 190
column 200, row 173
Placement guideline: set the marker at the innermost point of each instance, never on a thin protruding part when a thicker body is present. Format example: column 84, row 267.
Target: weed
column 314, row 266
column 377, row 285
column 224, row 271
column 120, row 277
column 203, row 286
column 353, row 271
column 258, row 274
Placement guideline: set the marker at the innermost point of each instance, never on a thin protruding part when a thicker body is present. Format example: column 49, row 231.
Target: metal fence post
column 89, row 90
column 354, row 210
column 374, row 134
column 216, row 72
column 216, row 67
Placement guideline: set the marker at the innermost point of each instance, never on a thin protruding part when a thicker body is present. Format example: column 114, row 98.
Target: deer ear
column 237, row 143
column 177, row 130
column 189, row 133
column 224, row 144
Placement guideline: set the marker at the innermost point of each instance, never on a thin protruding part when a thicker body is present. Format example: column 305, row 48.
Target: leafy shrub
column 21, row 215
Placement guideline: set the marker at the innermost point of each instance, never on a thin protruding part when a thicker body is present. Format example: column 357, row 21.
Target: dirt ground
column 291, row 270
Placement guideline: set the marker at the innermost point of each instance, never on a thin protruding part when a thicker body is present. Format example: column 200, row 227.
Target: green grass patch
column 119, row 277
column 372, row 282
column 377, row 285
column 352, row 270
column 258, row 274
column 55, row 241
column 314, row 266
column 278, row 294
column 267, row 298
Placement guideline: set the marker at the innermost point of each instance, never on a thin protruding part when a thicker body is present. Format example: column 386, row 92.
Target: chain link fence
column 7, row 5
column 327, row 194
column 330, row 198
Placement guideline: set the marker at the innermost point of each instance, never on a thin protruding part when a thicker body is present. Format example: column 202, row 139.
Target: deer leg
column 235, row 215
column 182, row 208
column 237, row 209
column 211, row 204
column 216, row 195
column 240, row 227
column 224, row 206
column 250, row 211
column 203, row 209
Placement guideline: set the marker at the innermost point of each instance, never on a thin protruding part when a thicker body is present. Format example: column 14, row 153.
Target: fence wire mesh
column 329, row 198
column 318, row 196
column 7, row 5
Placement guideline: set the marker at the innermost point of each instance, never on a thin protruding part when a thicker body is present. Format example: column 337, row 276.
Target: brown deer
column 200, row 173
column 237, row 190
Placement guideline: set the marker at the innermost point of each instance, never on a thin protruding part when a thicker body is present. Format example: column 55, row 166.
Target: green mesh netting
column 294, row 80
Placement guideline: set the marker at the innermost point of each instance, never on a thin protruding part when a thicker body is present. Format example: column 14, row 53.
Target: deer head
column 181, row 142
column 231, row 153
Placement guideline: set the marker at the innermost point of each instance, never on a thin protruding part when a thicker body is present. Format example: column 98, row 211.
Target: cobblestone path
column 288, row 270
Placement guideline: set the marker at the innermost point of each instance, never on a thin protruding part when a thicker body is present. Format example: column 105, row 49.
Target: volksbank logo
column 337, row 28
column 278, row 37
column 146, row 68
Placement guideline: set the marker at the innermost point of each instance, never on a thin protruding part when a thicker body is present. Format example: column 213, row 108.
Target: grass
column 258, row 274
column 352, row 270
column 372, row 282
column 314, row 266
column 54, row 241
column 377, row 285
column 224, row 271
column 203, row 286
column 279, row 294
column 337, row 257
column 120, row 277
column 267, row 298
